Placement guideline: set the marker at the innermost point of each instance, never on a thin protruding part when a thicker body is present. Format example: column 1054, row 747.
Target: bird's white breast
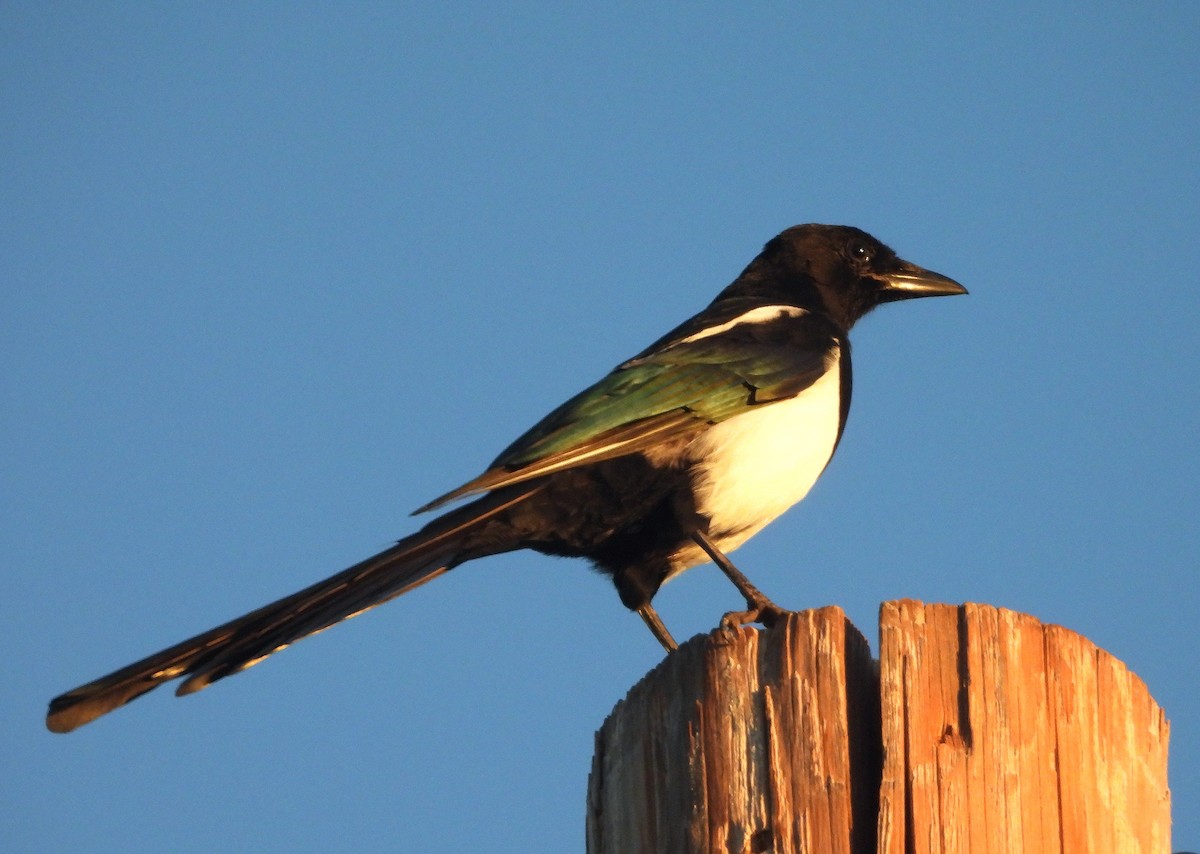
column 753, row 467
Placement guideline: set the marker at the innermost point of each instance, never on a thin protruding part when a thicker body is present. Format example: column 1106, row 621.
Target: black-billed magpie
column 675, row 458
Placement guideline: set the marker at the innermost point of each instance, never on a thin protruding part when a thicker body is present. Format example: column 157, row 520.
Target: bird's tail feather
column 242, row 643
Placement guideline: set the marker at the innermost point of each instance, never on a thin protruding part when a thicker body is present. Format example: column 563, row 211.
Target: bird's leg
column 760, row 610
column 655, row 624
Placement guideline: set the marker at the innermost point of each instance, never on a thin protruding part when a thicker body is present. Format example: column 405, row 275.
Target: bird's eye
column 861, row 253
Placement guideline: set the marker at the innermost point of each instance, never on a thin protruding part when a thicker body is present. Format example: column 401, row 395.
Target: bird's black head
column 838, row 269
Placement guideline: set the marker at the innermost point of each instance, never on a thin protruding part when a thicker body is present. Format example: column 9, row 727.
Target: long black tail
column 244, row 642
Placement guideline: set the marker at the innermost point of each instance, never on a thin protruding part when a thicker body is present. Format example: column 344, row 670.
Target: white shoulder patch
column 762, row 314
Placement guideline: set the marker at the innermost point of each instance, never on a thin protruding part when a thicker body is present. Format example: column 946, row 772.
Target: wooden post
column 980, row 731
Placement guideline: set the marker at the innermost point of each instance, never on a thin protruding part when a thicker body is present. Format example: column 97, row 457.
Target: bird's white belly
column 753, row 467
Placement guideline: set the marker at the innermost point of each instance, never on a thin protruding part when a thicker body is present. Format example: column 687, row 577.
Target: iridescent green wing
column 672, row 393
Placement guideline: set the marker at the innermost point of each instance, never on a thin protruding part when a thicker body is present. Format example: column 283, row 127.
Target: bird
column 674, row 459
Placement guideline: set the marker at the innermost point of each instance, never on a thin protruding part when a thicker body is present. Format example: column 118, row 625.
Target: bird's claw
column 766, row 614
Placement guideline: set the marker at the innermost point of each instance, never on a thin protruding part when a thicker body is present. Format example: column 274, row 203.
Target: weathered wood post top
column 979, row 730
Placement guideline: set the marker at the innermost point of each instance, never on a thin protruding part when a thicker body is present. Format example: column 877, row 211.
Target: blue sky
column 274, row 275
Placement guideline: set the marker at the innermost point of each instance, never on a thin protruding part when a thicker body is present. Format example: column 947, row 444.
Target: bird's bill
column 912, row 281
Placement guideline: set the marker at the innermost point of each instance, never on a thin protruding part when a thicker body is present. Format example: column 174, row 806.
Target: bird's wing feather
column 672, row 393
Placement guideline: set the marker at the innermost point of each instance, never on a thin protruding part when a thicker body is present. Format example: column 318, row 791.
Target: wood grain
column 981, row 730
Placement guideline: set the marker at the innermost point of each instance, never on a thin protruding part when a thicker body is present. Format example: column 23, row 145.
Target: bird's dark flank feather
column 675, row 458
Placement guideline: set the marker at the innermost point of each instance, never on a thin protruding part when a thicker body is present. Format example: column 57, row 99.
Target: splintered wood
column 1005, row 735
column 744, row 742
column 996, row 734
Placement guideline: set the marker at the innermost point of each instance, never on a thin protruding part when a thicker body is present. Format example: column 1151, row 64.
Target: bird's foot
column 759, row 609
column 765, row 613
